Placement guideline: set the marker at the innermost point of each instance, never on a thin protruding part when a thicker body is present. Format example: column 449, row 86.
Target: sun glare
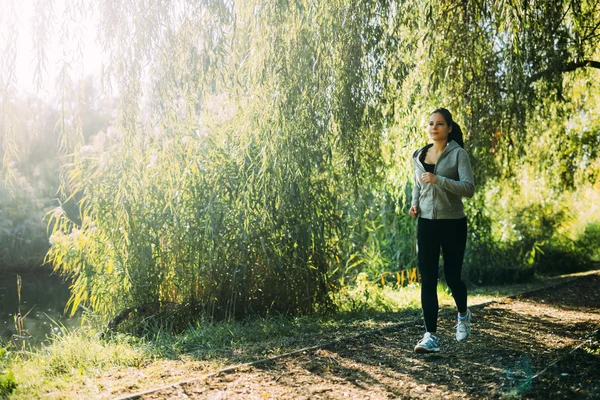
column 73, row 43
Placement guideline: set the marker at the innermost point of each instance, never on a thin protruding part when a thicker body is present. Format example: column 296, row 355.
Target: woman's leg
column 454, row 240
column 428, row 256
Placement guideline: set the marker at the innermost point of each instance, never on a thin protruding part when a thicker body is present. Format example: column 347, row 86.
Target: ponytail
column 456, row 133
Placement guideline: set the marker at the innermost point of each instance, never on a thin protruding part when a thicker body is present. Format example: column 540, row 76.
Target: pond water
column 43, row 299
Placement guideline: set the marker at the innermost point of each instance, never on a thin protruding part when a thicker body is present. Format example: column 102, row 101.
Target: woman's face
column 438, row 128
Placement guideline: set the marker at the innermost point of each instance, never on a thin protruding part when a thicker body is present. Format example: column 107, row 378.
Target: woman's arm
column 465, row 186
column 416, row 192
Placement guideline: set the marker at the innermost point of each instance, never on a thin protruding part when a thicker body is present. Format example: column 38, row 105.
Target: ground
column 543, row 345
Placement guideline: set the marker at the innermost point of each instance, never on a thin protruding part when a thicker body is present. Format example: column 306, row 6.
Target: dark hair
column 456, row 133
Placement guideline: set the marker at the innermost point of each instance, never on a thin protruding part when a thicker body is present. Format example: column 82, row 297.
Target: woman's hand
column 414, row 211
column 428, row 177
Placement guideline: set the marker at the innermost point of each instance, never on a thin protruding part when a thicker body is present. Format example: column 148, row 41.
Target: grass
column 68, row 361
column 79, row 362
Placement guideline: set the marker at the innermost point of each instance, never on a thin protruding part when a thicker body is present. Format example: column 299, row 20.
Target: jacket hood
column 451, row 146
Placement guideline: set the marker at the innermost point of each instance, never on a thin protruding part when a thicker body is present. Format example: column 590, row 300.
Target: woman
column 443, row 176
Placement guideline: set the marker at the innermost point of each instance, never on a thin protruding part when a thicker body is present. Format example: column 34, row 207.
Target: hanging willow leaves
column 260, row 149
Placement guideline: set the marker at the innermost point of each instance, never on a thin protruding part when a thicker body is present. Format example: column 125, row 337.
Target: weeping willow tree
column 260, row 151
column 223, row 189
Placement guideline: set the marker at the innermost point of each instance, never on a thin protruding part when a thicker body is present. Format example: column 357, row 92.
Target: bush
column 589, row 242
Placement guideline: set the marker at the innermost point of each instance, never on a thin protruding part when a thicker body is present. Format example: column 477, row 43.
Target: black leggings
column 451, row 236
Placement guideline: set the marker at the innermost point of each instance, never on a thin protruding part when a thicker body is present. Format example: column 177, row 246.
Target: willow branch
column 567, row 67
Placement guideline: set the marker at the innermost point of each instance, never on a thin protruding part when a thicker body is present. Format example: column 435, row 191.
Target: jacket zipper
column 432, row 187
column 433, row 193
column 434, row 212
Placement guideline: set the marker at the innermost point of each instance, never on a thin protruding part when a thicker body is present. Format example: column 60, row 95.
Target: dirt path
column 513, row 340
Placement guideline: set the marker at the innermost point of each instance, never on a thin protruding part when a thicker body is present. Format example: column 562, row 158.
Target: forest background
column 253, row 157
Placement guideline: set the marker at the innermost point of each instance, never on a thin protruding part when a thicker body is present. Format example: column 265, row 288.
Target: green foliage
column 29, row 190
column 7, row 378
column 532, row 229
column 33, row 177
column 23, row 241
column 588, row 241
column 365, row 295
column 7, row 383
column 380, row 295
column 259, row 157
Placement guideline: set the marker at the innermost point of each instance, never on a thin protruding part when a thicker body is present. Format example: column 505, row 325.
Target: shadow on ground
column 512, row 342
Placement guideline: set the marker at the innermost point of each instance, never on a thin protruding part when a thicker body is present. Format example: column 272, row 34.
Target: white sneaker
column 429, row 344
column 463, row 328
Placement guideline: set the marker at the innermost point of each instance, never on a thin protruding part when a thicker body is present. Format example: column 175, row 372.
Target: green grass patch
column 69, row 359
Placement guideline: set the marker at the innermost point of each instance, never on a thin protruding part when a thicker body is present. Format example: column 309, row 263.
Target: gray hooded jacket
column 454, row 177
